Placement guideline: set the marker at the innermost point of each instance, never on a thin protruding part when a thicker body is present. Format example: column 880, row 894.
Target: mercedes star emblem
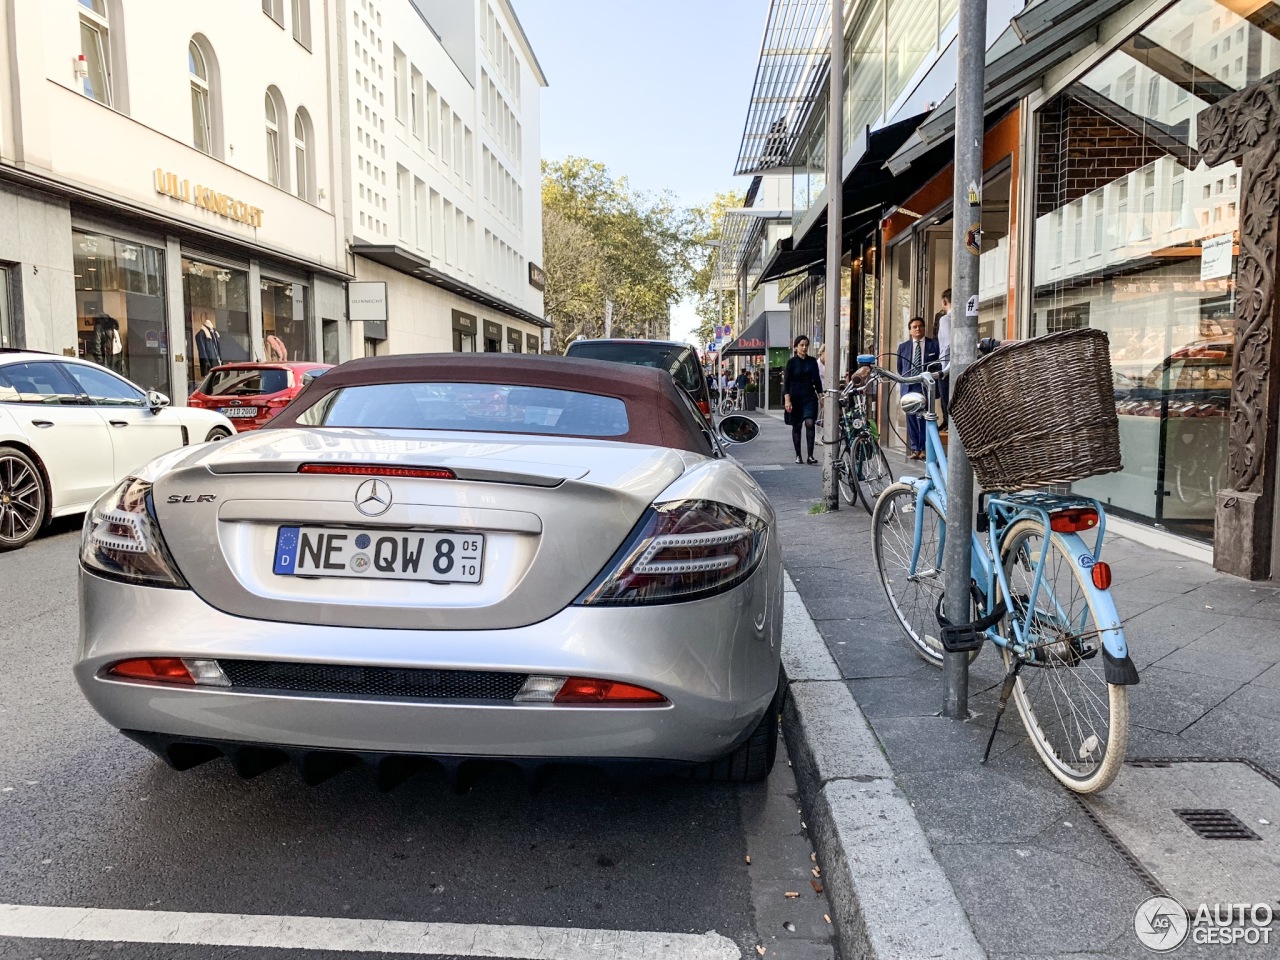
column 373, row 498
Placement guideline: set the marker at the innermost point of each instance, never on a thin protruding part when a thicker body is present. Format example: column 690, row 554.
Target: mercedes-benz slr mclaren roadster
column 439, row 558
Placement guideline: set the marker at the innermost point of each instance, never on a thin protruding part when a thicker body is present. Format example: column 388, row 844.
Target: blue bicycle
column 1040, row 594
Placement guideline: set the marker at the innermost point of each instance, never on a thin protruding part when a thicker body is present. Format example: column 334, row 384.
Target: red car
column 250, row 394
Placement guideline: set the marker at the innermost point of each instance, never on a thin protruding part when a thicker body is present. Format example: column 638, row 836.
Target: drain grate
column 1216, row 825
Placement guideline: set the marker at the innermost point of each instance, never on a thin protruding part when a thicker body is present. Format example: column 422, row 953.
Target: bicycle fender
column 1104, row 609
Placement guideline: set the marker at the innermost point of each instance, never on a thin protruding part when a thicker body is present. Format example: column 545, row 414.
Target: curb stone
column 889, row 896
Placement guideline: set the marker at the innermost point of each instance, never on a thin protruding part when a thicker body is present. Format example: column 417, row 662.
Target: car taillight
column 121, row 539
column 586, row 690
column 190, row 673
column 681, row 551
column 1073, row 521
column 705, row 408
column 279, row 402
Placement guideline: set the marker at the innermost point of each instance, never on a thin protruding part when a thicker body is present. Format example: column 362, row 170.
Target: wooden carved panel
column 1246, row 126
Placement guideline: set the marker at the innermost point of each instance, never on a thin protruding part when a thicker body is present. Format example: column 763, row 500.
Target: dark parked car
column 678, row 359
column 250, row 394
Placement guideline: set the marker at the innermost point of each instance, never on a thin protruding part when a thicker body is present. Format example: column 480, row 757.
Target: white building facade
column 170, row 175
column 442, row 175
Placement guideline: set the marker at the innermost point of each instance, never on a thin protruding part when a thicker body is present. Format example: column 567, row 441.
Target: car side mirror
column 156, row 400
column 737, row 429
column 311, row 375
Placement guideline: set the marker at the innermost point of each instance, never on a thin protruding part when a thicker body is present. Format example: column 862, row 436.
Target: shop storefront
column 163, row 312
column 515, row 340
column 492, row 336
column 532, row 344
column 464, row 332
column 1136, row 235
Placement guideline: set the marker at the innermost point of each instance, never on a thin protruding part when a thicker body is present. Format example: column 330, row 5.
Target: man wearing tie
column 913, row 356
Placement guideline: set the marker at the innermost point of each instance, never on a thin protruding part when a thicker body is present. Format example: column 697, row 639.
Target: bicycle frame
column 1002, row 512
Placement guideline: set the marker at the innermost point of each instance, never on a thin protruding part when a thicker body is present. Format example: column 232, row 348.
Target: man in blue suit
column 914, row 355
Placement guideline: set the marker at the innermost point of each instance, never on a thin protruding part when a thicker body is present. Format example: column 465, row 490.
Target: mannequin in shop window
column 275, row 349
column 108, row 345
column 208, row 341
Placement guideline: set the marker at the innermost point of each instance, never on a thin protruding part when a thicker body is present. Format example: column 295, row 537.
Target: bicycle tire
column 845, row 478
column 871, row 469
column 1071, row 676
column 913, row 599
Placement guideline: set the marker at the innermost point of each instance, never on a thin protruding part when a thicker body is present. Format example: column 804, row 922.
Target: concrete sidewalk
column 1038, row 872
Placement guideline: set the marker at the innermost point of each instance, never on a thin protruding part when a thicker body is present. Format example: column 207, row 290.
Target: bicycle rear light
column 1073, row 521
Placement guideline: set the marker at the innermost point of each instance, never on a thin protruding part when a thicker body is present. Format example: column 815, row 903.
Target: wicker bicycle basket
column 1039, row 412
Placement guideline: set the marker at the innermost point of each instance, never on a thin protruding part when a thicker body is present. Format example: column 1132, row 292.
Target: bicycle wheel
column 845, row 476
column 912, row 595
column 1077, row 721
column 872, row 469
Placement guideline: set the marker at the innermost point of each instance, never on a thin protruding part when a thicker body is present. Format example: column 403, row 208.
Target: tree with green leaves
column 604, row 241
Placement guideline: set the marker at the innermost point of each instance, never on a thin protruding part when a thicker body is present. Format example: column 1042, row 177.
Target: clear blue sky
column 654, row 89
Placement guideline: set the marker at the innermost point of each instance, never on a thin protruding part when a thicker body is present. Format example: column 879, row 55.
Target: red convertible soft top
column 657, row 414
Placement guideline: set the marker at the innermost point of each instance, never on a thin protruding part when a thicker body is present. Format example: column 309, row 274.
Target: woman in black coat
column 801, row 388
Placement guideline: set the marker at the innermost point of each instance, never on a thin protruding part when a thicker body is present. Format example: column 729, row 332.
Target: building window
column 303, row 156
column 302, row 22
column 275, row 10
column 273, row 113
column 95, row 47
column 286, row 324
column 398, row 68
column 415, row 104
column 201, row 99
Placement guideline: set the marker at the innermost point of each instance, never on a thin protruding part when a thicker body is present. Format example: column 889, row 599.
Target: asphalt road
column 90, row 820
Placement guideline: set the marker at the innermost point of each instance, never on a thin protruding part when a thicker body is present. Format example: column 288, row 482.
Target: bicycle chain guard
column 964, row 637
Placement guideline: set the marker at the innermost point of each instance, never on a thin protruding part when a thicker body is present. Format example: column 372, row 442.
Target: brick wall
column 1080, row 150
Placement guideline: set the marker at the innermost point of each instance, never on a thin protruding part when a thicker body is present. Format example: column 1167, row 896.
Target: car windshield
column 676, row 360
column 244, row 382
column 490, row 407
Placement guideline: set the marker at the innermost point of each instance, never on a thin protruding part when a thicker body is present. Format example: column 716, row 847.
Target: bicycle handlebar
column 985, row 345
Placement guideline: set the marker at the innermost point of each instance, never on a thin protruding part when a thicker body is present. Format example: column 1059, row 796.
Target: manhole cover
column 1182, row 822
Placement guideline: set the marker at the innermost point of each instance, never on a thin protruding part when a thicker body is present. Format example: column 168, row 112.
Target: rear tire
column 752, row 760
column 24, row 502
column 1068, row 708
column 217, row 433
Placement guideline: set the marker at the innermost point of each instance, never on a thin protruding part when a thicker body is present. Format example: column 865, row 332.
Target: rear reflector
column 588, row 690
column 204, row 673
column 1073, row 521
column 371, row 470
column 1102, row 575
column 155, row 669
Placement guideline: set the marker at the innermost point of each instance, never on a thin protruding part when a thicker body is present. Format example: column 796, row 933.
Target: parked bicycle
column 862, row 470
column 1040, row 594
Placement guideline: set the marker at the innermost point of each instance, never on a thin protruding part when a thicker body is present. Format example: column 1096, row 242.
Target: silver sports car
column 439, row 558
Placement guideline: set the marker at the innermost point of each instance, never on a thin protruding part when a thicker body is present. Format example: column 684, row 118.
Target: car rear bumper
column 716, row 661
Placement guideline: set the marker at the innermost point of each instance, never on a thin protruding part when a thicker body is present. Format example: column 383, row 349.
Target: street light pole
column 966, row 248
column 835, row 244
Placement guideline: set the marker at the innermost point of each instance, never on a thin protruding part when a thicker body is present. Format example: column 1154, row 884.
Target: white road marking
column 365, row 936
column 763, row 467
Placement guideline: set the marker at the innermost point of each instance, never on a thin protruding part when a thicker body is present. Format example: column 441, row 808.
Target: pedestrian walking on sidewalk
column 801, row 388
column 943, row 324
column 914, row 355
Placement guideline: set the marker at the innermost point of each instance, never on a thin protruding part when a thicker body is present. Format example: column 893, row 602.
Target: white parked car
column 70, row 430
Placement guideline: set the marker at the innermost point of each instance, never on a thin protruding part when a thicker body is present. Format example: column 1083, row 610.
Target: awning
column 771, row 329
column 409, row 263
column 869, row 188
column 1037, row 41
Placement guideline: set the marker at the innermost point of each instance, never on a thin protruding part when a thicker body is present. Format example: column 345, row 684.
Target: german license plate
column 379, row 554
column 238, row 412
